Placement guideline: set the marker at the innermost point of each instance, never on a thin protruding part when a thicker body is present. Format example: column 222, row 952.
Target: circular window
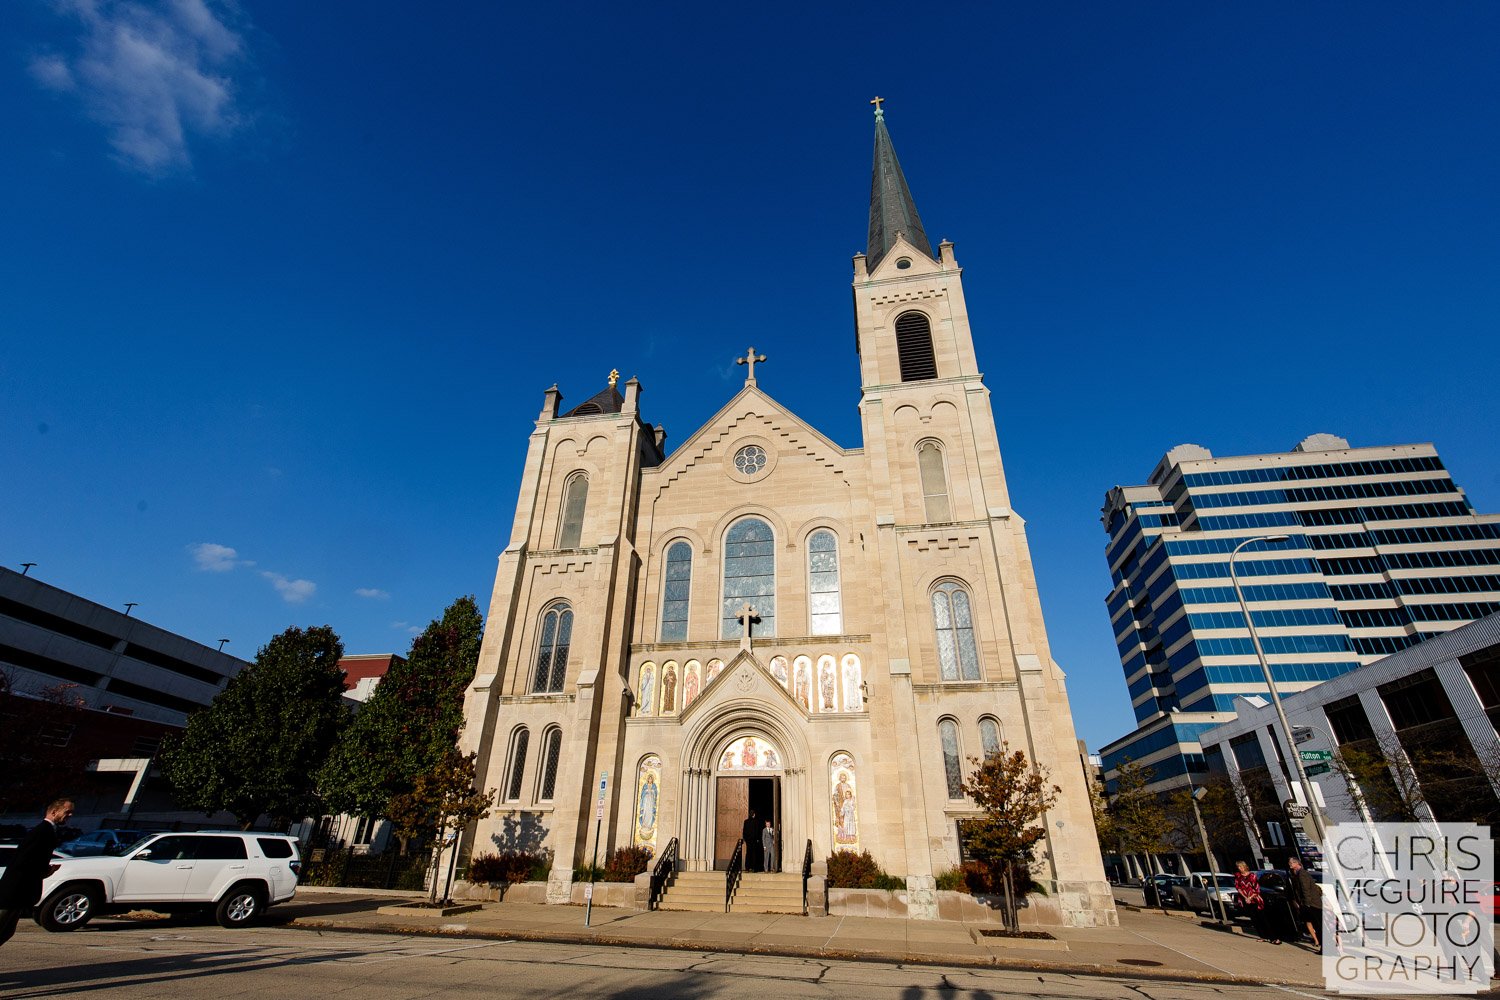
column 750, row 459
column 903, row 263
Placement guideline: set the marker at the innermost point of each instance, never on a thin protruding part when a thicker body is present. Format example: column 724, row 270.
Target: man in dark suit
column 21, row 885
column 750, row 833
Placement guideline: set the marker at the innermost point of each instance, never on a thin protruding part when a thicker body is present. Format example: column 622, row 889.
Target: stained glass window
column 958, row 654
column 551, row 753
column 517, row 764
column 934, row 482
column 552, row 652
column 989, row 735
column 575, row 499
column 825, row 607
column 749, row 576
column 676, row 585
column 948, row 731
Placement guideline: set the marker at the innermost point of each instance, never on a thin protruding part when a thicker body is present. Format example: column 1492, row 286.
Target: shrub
column 952, row 880
column 847, row 870
column 982, row 879
column 626, row 863
column 588, row 873
column 892, row 882
column 508, row 867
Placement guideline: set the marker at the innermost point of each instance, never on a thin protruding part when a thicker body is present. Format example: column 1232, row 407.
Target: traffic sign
column 1315, row 756
column 1297, row 812
column 1313, row 769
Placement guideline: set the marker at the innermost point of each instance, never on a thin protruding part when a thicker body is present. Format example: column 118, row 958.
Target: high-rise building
column 1383, row 550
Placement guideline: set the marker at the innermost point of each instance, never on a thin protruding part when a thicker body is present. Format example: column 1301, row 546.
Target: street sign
column 1315, row 756
column 1296, row 811
column 1301, row 734
column 588, row 891
column 1313, row 769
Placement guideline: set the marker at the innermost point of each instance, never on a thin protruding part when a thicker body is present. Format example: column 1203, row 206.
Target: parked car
column 1204, row 891
column 101, row 842
column 1158, row 888
column 237, row 875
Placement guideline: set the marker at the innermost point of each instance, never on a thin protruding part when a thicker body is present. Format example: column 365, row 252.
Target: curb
column 886, row 958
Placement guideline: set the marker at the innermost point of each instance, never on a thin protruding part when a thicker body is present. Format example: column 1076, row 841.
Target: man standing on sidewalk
column 21, row 885
column 1307, row 896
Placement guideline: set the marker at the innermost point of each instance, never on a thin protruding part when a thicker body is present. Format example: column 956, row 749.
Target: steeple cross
column 879, row 111
column 750, row 359
column 745, row 617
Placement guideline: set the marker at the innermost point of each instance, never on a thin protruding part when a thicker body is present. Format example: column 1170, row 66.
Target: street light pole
column 1208, row 852
column 1265, row 668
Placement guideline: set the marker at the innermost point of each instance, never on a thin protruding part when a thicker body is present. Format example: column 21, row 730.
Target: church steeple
column 892, row 211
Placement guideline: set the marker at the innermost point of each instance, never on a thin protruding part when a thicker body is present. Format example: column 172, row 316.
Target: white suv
column 238, row 875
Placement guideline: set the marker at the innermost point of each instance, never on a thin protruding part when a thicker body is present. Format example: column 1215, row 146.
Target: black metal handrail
column 806, row 873
column 666, row 867
column 732, row 876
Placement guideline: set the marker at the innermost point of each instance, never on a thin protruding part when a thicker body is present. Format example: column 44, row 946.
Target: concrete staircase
column 703, row 892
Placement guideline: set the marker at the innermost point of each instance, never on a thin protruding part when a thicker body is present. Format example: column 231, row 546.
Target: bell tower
column 965, row 641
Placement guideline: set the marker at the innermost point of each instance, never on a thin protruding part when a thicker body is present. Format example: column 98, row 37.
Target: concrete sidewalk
column 1147, row 943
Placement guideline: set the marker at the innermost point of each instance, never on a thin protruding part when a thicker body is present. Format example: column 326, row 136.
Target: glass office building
column 1384, row 550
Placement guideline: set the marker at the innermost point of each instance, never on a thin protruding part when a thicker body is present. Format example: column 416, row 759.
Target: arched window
column 749, row 577
column 952, row 769
column 958, row 655
column 914, row 345
column 930, row 467
column 575, row 499
column 989, row 735
column 825, row 608
column 676, row 585
column 551, row 755
column 517, row 769
column 552, row 653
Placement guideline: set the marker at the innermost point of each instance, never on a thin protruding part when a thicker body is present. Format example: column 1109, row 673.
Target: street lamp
column 1194, row 794
column 1265, row 668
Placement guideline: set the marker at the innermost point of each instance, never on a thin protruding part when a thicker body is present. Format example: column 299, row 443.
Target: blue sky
column 289, row 279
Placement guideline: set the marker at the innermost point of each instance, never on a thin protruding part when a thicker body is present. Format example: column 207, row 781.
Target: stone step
column 740, row 907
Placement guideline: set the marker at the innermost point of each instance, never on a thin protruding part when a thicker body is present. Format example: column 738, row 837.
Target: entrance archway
column 705, row 744
column 747, row 793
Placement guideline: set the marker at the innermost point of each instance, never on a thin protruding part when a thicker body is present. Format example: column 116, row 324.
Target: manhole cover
column 1136, row 961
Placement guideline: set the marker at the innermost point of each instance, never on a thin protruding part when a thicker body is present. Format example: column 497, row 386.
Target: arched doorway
column 704, row 746
column 747, row 794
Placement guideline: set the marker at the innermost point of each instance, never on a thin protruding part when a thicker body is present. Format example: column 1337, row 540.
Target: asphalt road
column 131, row 960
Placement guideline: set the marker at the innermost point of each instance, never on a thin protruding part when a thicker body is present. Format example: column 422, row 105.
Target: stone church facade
column 894, row 631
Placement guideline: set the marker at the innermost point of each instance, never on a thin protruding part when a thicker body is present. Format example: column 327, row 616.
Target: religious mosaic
column 802, row 682
column 646, row 699
column 844, row 801
column 647, row 796
column 827, row 685
column 669, row 688
column 778, row 670
column 692, row 682
column 854, row 691
column 750, row 753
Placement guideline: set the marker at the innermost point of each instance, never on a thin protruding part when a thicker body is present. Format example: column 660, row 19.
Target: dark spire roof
column 892, row 210
column 607, row 401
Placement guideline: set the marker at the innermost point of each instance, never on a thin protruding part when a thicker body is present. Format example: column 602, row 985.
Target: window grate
column 914, row 347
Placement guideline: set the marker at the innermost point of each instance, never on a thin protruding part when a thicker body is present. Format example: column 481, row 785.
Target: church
column 762, row 620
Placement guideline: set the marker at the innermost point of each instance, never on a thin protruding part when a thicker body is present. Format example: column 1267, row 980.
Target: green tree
column 256, row 749
column 1014, row 794
column 1139, row 822
column 411, row 721
column 442, row 799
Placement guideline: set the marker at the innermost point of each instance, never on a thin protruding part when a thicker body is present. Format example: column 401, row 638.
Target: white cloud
column 372, row 593
column 414, row 630
column 291, row 591
column 153, row 74
column 399, row 624
column 215, row 558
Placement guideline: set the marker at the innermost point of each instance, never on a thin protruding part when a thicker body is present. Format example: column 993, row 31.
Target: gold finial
column 750, row 359
column 614, row 376
column 879, row 111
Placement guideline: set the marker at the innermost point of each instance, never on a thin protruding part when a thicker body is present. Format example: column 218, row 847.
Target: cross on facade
column 750, row 359
column 745, row 617
column 879, row 111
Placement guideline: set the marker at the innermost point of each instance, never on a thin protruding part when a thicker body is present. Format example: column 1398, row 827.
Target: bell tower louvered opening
column 914, row 345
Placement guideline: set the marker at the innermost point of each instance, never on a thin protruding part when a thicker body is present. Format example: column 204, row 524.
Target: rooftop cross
column 614, row 376
column 750, row 359
column 745, row 617
column 879, row 111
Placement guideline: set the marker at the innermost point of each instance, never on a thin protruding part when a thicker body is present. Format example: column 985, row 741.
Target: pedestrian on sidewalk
column 768, row 847
column 21, row 885
column 1247, row 887
column 1307, row 899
